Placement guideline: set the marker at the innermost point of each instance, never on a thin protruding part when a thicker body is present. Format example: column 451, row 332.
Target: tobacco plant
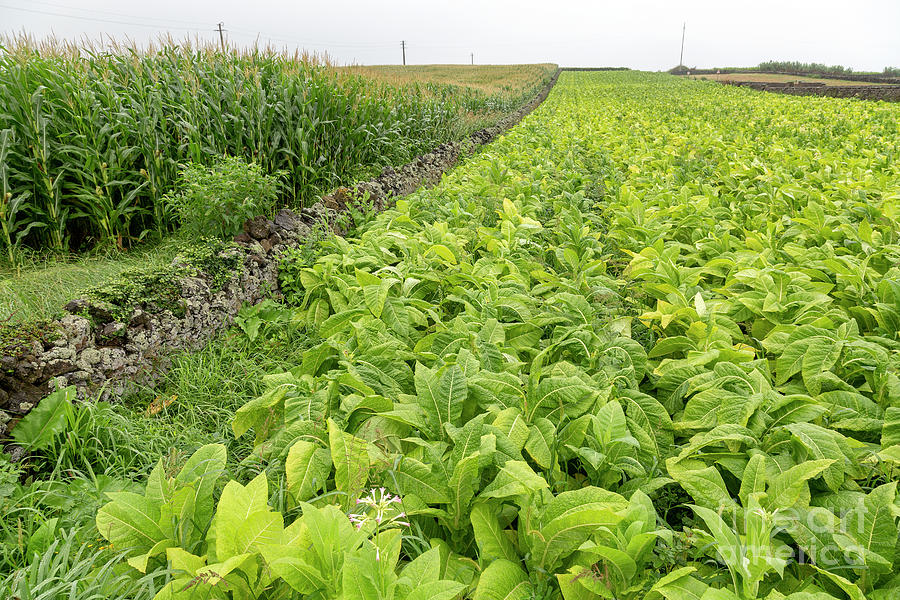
column 650, row 289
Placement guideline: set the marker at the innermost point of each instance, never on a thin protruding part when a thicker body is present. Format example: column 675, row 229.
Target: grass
column 39, row 285
column 193, row 405
column 68, row 568
column 781, row 78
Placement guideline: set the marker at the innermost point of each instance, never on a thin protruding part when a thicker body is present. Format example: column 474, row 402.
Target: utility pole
column 403, row 45
column 472, row 54
column 681, row 58
column 221, row 36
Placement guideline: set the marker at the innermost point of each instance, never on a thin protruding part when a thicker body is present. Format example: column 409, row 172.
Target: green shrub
column 216, row 200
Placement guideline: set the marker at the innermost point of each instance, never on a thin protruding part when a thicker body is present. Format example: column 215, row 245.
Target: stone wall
column 888, row 93
column 102, row 356
column 870, row 78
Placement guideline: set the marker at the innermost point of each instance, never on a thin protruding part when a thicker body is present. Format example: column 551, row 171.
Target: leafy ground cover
column 643, row 346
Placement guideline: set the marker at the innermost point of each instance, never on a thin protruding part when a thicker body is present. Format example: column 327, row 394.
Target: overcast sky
column 643, row 34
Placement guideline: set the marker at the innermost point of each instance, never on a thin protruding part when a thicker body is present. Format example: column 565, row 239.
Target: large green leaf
column 260, row 411
column 790, row 489
column 822, row 444
column 350, row 456
column 414, row 477
column 679, row 585
column 307, row 468
column 239, row 507
column 873, row 527
column 754, row 477
column 703, row 483
column 561, row 536
column 199, row 477
column 437, row 590
column 819, row 357
column 791, row 360
column 45, row 421
column 503, row 580
column 130, row 521
column 557, row 396
column 441, row 394
column 464, row 482
column 515, row 478
column 541, row 443
column 493, row 542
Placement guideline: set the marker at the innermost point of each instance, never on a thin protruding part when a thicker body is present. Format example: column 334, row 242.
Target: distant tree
column 800, row 68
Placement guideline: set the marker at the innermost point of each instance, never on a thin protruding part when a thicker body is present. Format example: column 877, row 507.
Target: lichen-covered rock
column 77, row 306
column 113, row 334
column 316, row 212
column 259, row 228
column 139, row 319
column 286, row 220
column 111, row 360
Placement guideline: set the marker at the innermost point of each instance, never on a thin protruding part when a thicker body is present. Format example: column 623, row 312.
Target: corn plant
column 97, row 134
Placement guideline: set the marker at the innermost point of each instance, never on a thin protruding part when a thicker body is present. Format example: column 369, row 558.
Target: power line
column 200, row 28
column 79, row 9
column 191, row 26
column 265, row 36
column 98, row 19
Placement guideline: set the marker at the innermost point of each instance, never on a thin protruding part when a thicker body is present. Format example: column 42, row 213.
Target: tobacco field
column 643, row 346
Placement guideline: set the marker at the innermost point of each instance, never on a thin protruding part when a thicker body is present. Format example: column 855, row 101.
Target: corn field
column 91, row 140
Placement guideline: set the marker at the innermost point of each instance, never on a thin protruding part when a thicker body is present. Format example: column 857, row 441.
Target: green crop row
column 644, row 346
column 91, row 141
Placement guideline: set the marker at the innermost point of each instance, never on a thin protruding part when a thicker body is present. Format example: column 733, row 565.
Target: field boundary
column 98, row 354
column 592, row 69
column 426, row 170
column 888, row 93
column 870, row 78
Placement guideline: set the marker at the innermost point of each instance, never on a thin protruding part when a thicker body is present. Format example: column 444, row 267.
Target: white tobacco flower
column 378, row 509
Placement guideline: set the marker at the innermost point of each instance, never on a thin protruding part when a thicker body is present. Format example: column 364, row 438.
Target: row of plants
column 91, row 141
column 643, row 346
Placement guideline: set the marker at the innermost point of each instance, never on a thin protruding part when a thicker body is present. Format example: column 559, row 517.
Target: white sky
column 643, row 34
